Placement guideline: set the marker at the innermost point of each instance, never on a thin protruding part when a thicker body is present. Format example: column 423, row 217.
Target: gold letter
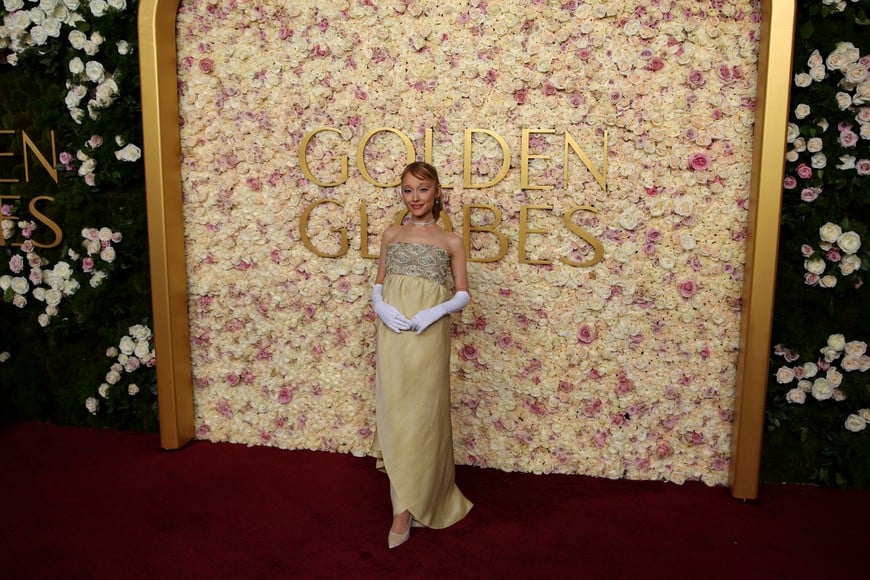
column 589, row 238
column 524, row 229
column 303, row 231
column 303, row 160
column 41, row 217
column 524, row 160
column 600, row 176
column 466, row 166
column 502, row 240
column 28, row 144
column 361, row 151
column 364, row 232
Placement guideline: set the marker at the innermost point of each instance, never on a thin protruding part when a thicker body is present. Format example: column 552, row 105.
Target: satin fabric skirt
column 413, row 440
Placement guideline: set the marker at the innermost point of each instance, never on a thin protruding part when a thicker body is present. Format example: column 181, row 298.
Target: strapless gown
column 413, row 440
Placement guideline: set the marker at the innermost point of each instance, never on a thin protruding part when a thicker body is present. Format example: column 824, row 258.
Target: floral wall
column 620, row 368
column 819, row 394
column 76, row 343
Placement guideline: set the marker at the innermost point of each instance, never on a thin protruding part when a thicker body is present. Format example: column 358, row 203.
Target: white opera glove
column 395, row 320
column 425, row 318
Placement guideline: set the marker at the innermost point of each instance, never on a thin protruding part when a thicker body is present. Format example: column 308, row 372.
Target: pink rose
column 804, row 171
column 848, row 138
column 862, row 166
column 206, row 65
column 810, row 194
column 696, row 79
column 807, row 250
column 468, row 352
column 16, row 263
column 789, row 182
column 688, row 289
column 585, row 334
column 699, row 161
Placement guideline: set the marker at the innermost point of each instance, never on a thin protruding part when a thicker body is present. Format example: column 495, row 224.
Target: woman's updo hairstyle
column 423, row 170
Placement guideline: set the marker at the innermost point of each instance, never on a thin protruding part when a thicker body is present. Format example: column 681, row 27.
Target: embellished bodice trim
column 420, row 260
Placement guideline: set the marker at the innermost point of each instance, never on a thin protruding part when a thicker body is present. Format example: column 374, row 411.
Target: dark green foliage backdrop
column 808, row 442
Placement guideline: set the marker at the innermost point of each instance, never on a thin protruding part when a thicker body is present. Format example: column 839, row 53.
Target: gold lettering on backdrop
column 491, row 229
column 29, row 144
column 303, row 159
column 364, row 232
column 598, row 249
column 525, row 156
column 525, row 230
column 410, row 155
column 466, row 163
column 600, row 176
column 306, row 239
column 42, row 218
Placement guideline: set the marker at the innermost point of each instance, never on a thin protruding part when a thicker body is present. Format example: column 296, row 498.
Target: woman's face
column 419, row 196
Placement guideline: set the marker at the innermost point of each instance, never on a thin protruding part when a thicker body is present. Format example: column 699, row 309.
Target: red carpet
column 81, row 503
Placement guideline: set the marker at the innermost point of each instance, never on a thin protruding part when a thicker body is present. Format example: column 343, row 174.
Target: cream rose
column 815, row 266
column 837, row 342
column 784, row 375
column 830, row 232
column 796, row 396
column 855, row 423
column 849, row 242
column 822, row 389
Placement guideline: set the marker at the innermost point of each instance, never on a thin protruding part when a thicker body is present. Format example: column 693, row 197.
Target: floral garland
column 625, row 369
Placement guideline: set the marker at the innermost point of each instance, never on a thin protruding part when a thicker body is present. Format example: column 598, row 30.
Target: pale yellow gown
column 413, row 440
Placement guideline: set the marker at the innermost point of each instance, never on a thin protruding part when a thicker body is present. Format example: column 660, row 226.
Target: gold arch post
column 166, row 231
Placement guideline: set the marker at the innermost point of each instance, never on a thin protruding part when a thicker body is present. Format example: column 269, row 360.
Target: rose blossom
column 810, row 194
column 855, row 423
column 830, row 232
column 822, row 389
column 699, row 161
column 855, row 347
column 804, row 171
column 862, row 166
column 815, row 266
column 802, row 111
column 846, row 162
column 849, row 242
column 796, row 396
column 837, row 342
column 92, row 405
column 828, row 281
column 784, row 375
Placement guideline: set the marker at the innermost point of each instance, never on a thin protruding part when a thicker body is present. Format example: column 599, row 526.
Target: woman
column 414, row 439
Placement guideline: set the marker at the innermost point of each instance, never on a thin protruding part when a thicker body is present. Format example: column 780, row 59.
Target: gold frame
column 157, row 56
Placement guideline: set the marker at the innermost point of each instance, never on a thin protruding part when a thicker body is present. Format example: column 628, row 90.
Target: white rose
column 849, row 264
column 855, row 73
column 126, row 345
column 108, row 254
column 76, row 66
column 837, row 342
column 98, row 7
column 5, row 356
column 793, row 132
column 19, row 301
column 828, row 281
column 118, row 4
column 814, row 144
column 5, row 282
column 822, row 389
column 97, row 279
column 112, row 377
column 92, row 405
column 684, row 206
column 142, row 349
column 19, row 285
column 132, row 389
column 43, row 320
column 77, row 40
column 123, row 47
column 846, row 162
column 851, row 362
column 818, row 161
column 784, row 375
column 796, row 396
column 103, row 390
column 810, row 369
column 817, row 73
column 855, row 347
column 805, row 385
column 835, row 376
column 855, row 423
column 844, row 100
column 95, row 71
column 863, row 413
column 849, row 242
column 802, row 111
column 802, row 80
column 130, row 152
column 815, row 59
column 830, row 232
column 53, row 297
column 814, row 266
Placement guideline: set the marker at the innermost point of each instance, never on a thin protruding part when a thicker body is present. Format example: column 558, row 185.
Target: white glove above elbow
column 395, row 320
column 425, row 318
